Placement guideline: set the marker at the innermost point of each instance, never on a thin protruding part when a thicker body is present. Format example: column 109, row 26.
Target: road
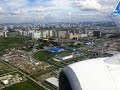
column 27, row 76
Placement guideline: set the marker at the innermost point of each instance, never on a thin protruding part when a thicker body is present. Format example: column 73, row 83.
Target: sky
column 19, row 11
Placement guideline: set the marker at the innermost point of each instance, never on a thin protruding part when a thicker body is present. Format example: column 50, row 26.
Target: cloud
column 55, row 10
column 89, row 4
column 99, row 5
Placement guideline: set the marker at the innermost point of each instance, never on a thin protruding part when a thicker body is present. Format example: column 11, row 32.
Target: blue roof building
column 54, row 49
column 88, row 42
column 77, row 53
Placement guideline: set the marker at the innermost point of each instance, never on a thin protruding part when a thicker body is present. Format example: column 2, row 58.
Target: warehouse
column 53, row 81
column 55, row 49
column 64, row 56
column 88, row 42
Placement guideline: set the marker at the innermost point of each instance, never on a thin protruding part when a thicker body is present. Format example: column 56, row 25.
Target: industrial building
column 64, row 56
column 53, row 81
column 54, row 49
column 88, row 42
column 11, row 79
column 77, row 53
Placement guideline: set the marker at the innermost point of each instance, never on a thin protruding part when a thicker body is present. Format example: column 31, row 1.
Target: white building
column 36, row 34
column 64, row 56
column 30, row 33
column 53, row 81
column 45, row 34
column 5, row 82
column 83, row 35
column 25, row 33
column 61, row 34
column 50, row 33
column 3, row 33
column 19, row 32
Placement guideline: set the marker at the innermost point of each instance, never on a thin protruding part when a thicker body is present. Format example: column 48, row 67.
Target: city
column 35, row 55
column 38, row 52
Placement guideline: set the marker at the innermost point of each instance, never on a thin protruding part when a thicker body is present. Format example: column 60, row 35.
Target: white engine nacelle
column 93, row 74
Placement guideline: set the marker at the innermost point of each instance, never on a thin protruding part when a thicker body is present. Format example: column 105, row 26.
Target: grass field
column 12, row 42
column 4, row 69
column 43, row 55
column 48, row 57
column 27, row 85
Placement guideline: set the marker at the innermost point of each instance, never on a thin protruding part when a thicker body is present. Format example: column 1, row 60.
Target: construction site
column 24, row 61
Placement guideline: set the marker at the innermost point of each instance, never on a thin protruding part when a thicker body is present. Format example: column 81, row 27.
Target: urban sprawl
column 34, row 54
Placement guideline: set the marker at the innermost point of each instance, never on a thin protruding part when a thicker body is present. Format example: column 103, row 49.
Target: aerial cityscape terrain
column 34, row 51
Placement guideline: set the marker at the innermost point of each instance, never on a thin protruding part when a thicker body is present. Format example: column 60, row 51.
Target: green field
column 43, row 55
column 12, row 42
column 48, row 57
column 27, row 85
column 5, row 69
column 4, row 72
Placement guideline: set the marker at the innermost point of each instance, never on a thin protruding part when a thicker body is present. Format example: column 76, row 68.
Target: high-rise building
column 36, row 34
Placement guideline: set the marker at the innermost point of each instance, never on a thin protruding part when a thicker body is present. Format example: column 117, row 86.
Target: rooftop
column 63, row 55
column 55, row 49
column 54, row 81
